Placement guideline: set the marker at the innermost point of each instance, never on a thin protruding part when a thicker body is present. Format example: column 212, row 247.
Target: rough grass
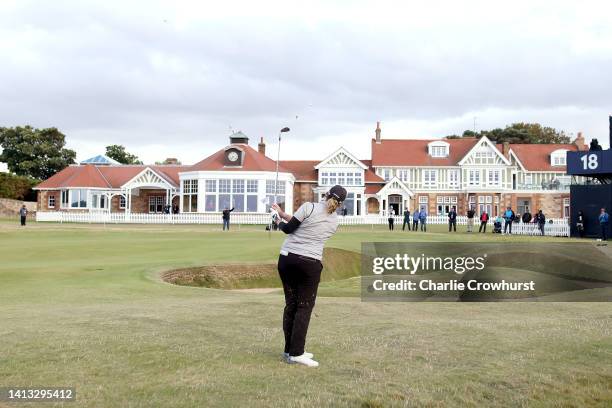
column 84, row 306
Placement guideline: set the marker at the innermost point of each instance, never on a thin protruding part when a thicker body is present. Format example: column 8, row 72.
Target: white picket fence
column 558, row 227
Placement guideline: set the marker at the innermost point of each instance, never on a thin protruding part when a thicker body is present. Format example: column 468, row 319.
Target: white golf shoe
column 303, row 359
column 306, row 354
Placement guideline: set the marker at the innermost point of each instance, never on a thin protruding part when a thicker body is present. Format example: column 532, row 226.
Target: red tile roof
column 303, row 170
column 536, row 157
column 370, row 175
column 76, row 176
column 413, row 152
column 106, row 176
column 373, row 188
column 253, row 161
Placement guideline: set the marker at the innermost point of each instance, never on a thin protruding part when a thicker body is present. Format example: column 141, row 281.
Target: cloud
column 170, row 79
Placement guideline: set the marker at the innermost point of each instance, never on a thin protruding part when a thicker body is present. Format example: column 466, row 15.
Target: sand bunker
column 338, row 264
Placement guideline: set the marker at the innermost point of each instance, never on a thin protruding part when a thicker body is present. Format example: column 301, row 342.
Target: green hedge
column 17, row 187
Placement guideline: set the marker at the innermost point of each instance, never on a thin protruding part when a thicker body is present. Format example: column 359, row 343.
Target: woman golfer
column 299, row 267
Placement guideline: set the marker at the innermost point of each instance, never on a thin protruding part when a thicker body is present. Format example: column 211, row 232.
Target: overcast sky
column 170, row 79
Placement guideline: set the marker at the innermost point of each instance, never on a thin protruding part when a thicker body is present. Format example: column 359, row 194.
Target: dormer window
column 558, row 157
column 438, row 149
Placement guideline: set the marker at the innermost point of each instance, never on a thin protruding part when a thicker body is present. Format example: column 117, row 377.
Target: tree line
column 33, row 155
column 530, row 133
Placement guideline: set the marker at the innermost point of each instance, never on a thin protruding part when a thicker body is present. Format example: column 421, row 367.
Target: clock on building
column 232, row 156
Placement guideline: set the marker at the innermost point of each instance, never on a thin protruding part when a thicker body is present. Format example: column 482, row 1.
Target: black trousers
column 541, row 226
column 483, row 226
column 23, row 220
column 415, row 225
column 406, row 222
column 604, row 230
column 300, row 276
column 506, row 225
column 452, row 224
column 390, row 224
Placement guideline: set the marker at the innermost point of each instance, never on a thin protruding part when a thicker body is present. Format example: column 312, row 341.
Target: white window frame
column 430, row 177
column 474, row 181
column 50, row 198
column 453, row 178
column 423, row 199
column 494, row 177
column 122, row 202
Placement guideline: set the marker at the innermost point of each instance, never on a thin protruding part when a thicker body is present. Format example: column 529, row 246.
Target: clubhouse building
column 434, row 174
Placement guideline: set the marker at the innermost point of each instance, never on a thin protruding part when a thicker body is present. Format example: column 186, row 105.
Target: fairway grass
column 84, row 306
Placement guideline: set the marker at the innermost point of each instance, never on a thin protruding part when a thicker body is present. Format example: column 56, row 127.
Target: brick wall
column 43, row 200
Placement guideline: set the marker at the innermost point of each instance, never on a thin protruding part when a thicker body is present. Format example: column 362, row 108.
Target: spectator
column 406, row 219
column 580, row 224
column 415, row 220
column 344, row 211
column 452, row 219
column 595, row 146
column 470, row 220
column 604, row 221
column 23, row 212
column 423, row 219
column 527, row 217
column 541, row 219
column 226, row 218
column 509, row 217
column 391, row 218
column 497, row 225
column 484, row 218
column 175, row 209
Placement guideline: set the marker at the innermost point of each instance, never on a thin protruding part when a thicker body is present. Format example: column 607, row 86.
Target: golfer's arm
column 290, row 226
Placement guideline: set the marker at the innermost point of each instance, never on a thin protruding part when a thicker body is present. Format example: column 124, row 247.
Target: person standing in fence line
column 484, row 218
column 604, row 222
column 423, row 219
column 541, row 221
column 391, row 218
column 406, row 219
column 415, row 220
column 452, row 219
column 226, row 218
column 23, row 213
column 470, row 219
column 299, row 267
column 509, row 217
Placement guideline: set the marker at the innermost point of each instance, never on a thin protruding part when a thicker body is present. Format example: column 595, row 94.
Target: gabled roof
column 341, row 157
column 536, row 157
column 493, row 147
column 414, row 152
column 395, row 184
column 252, row 161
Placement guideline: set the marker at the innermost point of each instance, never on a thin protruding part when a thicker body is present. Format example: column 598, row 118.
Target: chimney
column 261, row 147
column 171, row 160
column 377, row 132
column 505, row 148
column 580, row 143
